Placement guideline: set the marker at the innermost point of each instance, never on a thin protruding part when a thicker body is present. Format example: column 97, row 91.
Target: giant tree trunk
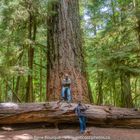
column 54, row 113
column 65, row 52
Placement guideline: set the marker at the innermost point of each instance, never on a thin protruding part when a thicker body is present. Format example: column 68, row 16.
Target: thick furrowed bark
column 65, row 51
column 52, row 112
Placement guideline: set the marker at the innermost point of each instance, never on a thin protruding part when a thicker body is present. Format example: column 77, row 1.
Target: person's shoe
column 81, row 132
column 69, row 104
column 88, row 132
column 62, row 100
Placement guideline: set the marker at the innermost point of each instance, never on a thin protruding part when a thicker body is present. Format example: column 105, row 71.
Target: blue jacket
column 80, row 110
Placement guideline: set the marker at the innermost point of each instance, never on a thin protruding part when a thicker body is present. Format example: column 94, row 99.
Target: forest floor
column 94, row 133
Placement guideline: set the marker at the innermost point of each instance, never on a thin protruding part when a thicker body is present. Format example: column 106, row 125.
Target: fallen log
column 57, row 113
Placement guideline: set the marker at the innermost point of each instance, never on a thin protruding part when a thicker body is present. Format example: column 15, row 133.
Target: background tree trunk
column 65, row 52
column 126, row 97
column 0, row 92
column 32, row 37
column 99, row 88
column 18, row 78
column 41, row 76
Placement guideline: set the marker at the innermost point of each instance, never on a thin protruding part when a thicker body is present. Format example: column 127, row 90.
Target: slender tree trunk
column 65, row 52
column 114, row 92
column 17, row 82
column 0, row 92
column 41, row 82
column 113, row 12
column 6, row 90
column 17, row 88
column 29, row 90
column 99, row 89
column 32, row 36
column 126, row 97
column 136, row 4
column 13, row 88
column 94, row 24
column 135, row 91
column 137, row 10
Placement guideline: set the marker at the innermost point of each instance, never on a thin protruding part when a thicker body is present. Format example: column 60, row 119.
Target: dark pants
column 82, row 121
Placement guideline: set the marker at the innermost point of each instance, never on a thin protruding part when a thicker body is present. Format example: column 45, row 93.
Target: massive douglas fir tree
column 65, row 51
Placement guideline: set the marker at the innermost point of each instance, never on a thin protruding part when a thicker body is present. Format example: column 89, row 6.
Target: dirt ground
column 94, row 133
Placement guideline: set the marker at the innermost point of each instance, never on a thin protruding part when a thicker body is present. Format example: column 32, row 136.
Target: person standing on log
column 80, row 112
column 66, row 92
